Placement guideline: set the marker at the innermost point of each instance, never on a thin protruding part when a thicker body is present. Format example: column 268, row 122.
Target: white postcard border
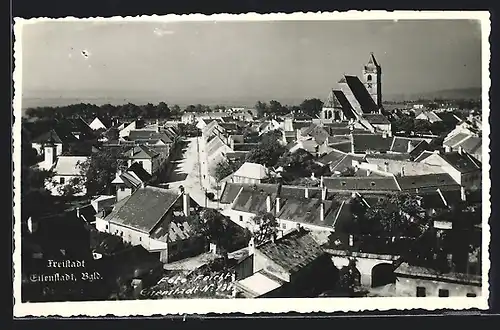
column 248, row 306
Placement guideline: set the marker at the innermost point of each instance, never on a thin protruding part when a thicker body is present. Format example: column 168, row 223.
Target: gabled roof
column 293, row 251
column 423, row 155
column 306, row 210
column 252, row 170
column 318, row 133
column 438, row 180
column 376, row 118
column 449, row 117
column 359, row 91
column 214, row 145
column 253, row 200
column 50, row 137
column 456, row 139
column 69, row 165
column 231, row 190
column 461, row 162
column 332, row 158
column 142, row 152
column 141, row 173
column 148, row 135
column 144, row 208
column 361, row 183
column 404, row 144
column 371, row 142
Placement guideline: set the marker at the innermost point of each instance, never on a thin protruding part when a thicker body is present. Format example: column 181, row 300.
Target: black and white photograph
column 191, row 164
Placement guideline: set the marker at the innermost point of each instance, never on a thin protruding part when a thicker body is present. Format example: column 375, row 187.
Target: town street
column 186, row 173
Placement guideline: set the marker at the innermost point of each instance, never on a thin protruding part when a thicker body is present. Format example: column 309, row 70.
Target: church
column 358, row 100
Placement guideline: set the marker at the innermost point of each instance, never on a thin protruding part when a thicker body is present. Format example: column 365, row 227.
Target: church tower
column 372, row 79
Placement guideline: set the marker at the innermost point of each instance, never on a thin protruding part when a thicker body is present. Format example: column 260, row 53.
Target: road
column 187, row 173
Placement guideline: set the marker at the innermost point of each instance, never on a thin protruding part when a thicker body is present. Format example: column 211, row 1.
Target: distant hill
column 459, row 93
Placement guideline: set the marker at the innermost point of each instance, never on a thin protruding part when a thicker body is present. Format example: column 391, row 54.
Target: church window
column 369, row 85
column 369, row 78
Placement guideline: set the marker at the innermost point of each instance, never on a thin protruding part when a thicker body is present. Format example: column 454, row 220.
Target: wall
column 383, row 127
column 364, row 266
column 244, row 269
column 437, row 160
column 235, row 217
column 39, row 149
column 121, row 194
column 186, row 248
column 147, row 164
column 242, row 179
column 408, row 287
column 262, row 262
column 289, row 224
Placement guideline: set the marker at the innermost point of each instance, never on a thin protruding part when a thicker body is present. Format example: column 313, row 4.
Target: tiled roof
column 402, row 156
column 375, row 118
column 404, row 145
column 142, row 152
column 417, row 271
column 172, row 231
column 361, row 183
column 129, row 179
column 472, row 145
column 318, row 133
column 252, row 170
column 253, row 200
column 332, row 158
column 361, row 94
column 456, row 139
column 144, row 208
column 426, row 181
column 69, row 165
column 306, row 211
column 461, row 162
column 214, row 145
column 371, row 142
column 293, row 251
column 140, row 172
column 298, row 192
column 232, row 189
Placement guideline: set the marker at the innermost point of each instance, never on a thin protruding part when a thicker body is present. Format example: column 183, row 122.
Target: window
column 471, row 295
column 369, row 78
column 283, row 225
column 420, row 291
column 140, row 239
column 241, row 218
column 122, row 188
column 61, row 180
column 444, row 293
column 107, row 226
column 121, row 233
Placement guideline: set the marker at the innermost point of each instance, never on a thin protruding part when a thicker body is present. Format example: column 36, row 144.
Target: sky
column 217, row 62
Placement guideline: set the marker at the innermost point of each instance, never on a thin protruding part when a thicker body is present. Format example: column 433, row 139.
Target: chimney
column 268, row 203
column 368, row 172
column 306, row 192
column 351, row 240
column 386, row 167
column 384, row 135
column 78, row 212
column 322, row 212
column 185, row 203
column 321, row 183
column 409, row 147
column 447, row 149
column 278, row 205
column 460, row 150
column 463, row 195
column 251, row 246
column 402, row 171
column 30, row 225
column 324, row 193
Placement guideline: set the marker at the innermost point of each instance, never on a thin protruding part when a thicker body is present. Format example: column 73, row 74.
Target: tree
column 163, row 110
column 311, row 107
column 176, row 110
column 261, row 108
column 100, row 169
column 349, row 277
column 112, row 134
column 265, row 227
column 268, row 151
column 224, row 168
column 214, row 226
column 74, row 187
column 348, row 171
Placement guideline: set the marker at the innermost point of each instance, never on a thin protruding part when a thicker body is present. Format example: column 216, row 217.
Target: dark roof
column 426, row 181
column 361, row 94
column 461, row 162
column 448, row 117
column 144, row 208
column 88, row 213
column 298, row 192
column 342, row 146
column 319, row 134
column 293, row 251
column 423, row 156
column 244, row 146
column 145, row 135
column 253, row 200
column 306, row 210
column 232, row 189
column 404, row 145
column 236, row 154
column 140, row 172
column 141, row 152
column 376, row 118
column 339, row 124
column 332, row 158
column 402, row 156
column 371, row 142
column 361, row 183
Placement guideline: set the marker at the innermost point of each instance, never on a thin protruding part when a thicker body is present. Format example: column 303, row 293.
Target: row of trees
column 311, row 107
column 408, row 125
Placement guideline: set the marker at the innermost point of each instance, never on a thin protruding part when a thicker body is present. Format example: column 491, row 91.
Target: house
column 268, row 126
column 415, row 281
column 463, row 168
column 336, row 160
column 370, row 143
column 407, row 145
column 215, row 151
column 315, row 132
column 67, row 172
column 429, row 116
column 399, row 167
column 126, row 128
column 244, row 201
column 379, row 122
column 129, row 181
column 250, row 173
column 98, row 123
column 311, row 146
column 361, row 184
column 293, row 265
column 203, row 122
column 188, row 118
column 158, row 219
column 420, row 183
column 470, row 143
column 145, row 156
